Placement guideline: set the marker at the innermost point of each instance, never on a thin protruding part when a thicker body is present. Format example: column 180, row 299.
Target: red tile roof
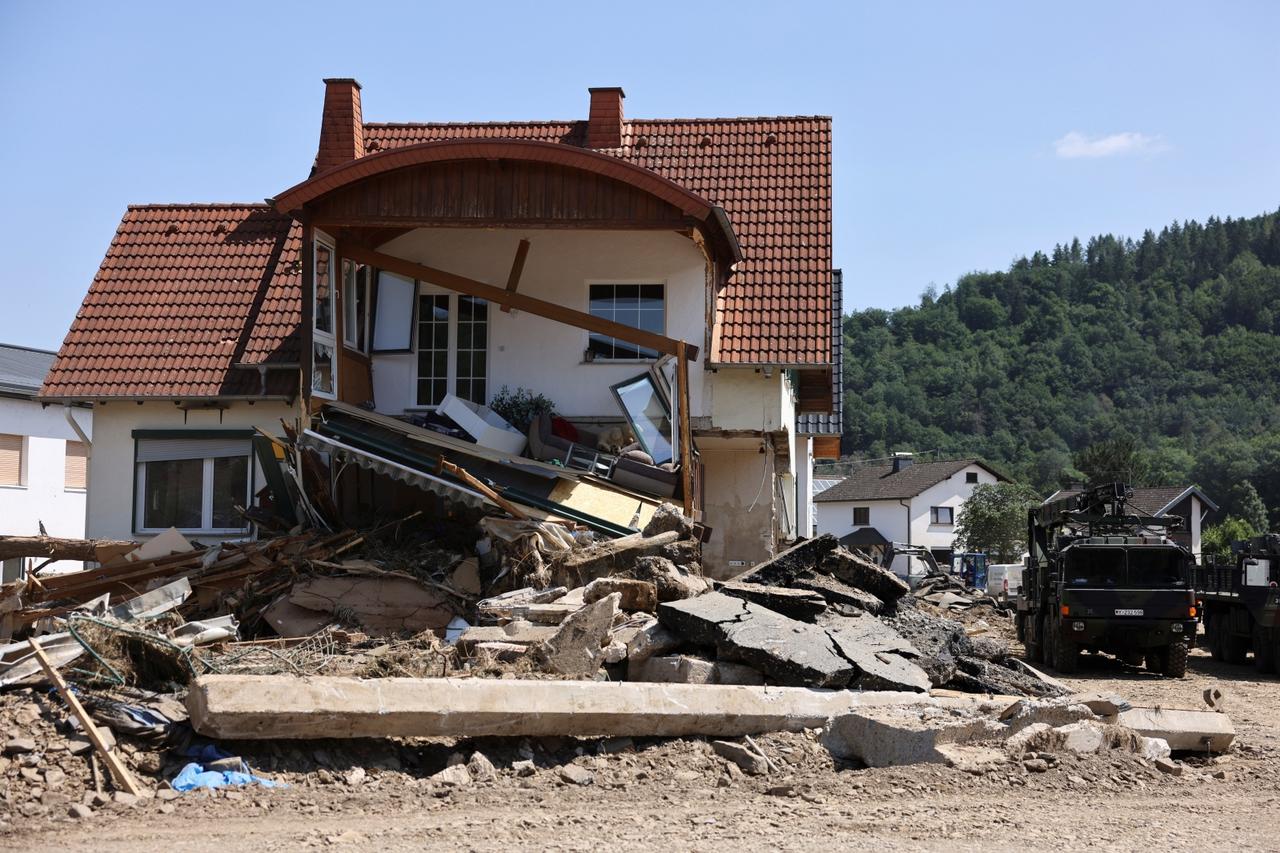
column 771, row 175
column 184, row 293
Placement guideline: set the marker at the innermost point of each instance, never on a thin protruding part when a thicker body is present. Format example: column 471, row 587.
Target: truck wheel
column 1067, row 659
column 1035, row 647
column 1174, row 658
column 1020, row 628
column 1264, row 650
column 1213, row 635
column 1234, row 649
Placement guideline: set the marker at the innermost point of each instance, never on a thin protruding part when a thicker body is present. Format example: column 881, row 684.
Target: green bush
column 520, row 407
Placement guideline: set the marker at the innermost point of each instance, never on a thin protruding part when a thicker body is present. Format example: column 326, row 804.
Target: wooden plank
column 12, row 547
column 540, row 307
column 682, row 391
column 517, row 268
column 118, row 771
column 481, row 487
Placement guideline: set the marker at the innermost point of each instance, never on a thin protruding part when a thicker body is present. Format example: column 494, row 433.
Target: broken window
column 323, row 363
column 355, row 306
column 649, row 415
column 861, row 516
column 641, row 306
column 940, row 515
column 192, row 484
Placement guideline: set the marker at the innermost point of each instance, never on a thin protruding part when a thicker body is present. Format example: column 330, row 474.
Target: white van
column 1004, row 581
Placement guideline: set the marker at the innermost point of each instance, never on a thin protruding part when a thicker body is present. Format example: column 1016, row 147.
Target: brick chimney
column 341, row 125
column 604, row 124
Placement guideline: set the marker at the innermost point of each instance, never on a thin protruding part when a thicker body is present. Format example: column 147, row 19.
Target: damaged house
column 666, row 285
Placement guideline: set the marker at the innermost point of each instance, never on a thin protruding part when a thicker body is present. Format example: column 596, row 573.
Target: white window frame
column 586, row 335
column 933, row 516
column 451, row 360
column 206, row 498
column 360, row 275
column 317, row 336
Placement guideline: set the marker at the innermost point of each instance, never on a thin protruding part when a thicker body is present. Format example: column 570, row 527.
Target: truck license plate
column 1129, row 612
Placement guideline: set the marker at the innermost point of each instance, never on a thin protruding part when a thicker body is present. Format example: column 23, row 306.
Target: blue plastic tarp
column 194, row 775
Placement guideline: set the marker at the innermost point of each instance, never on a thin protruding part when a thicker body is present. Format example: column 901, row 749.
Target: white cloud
column 1076, row 145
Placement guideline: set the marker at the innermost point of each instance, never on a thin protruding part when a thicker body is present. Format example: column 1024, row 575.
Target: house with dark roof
column 1189, row 503
column 902, row 501
column 420, row 268
column 43, row 455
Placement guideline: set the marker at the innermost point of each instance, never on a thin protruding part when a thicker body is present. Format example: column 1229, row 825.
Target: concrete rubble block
column 683, row 669
column 671, row 582
column 787, row 651
column 454, row 776
column 1168, row 765
column 884, row 659
column 865, row 575
column 637, row 596
column 804, row 556
column 1183, row 730
column 800, row 604
column 1082, row 738
column 652, row 639
column 384, row 605
column 552, row 613
column 238, row 707
column 1153, row 748
column 609, row 558
column 1053, row 712
column 751, row 762
column 972, row 758
column 480, row 767
column 517, row 633
column 837, row 593
column 577, row 646
column 506, row 652
column 572, row 774
column 667, row 518
column 888, row 737
column 1100, row 704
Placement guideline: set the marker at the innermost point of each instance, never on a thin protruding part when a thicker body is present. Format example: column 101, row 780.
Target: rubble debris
column 672, row 582
column 383, row 605
column 576, row 647
column 684, row 669
column 611, row 557
column 842, row 597
column 788, row 651
column 751, row 762
column 780, row 570
column 518, row 633
column 636, row 596
column 667, row 518
column 235, row 707
column 863, row 574
column 652, row 639
column 799, row 604
column 886, row 737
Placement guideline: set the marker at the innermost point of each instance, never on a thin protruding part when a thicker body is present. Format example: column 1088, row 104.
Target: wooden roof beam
column 517, row 267
column 523, row 302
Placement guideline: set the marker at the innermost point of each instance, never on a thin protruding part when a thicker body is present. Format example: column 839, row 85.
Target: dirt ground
column 678, row 795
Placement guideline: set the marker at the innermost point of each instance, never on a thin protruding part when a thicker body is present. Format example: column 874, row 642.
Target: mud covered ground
column 655, row 795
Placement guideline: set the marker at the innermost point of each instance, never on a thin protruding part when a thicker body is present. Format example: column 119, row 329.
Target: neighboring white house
column 903, row 501
column 1187, row 502
column 43, row 458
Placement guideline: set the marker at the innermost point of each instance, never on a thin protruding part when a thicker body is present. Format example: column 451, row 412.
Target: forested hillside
column 1170, row 342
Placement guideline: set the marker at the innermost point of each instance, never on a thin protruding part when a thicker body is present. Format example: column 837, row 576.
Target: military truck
column 1102, row 579
column 1240, row 603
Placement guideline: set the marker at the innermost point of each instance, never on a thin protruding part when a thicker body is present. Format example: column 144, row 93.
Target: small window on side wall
column 861, row 516
column 940, row 515
column 971, row 476
column 75, row 466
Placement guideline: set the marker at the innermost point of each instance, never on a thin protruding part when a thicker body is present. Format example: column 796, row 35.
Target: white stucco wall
column 44, row 497
column 952, row 492
column 111, row 464
column 540, row 354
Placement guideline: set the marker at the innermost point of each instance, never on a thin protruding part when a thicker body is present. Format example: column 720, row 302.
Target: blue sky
column 965, row 134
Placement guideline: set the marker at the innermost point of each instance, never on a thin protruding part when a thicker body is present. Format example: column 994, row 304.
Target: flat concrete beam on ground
column 1195, row 731
column 282, row 706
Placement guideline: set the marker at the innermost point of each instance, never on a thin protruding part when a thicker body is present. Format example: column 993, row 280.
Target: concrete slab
column 268, row 706
column 864, row 574
column 801, row 604
column 1183, row 730
column 683, row 669
column 577, row 646
column 888, row 737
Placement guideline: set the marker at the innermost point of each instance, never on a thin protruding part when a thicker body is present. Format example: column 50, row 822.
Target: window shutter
column 10, row 460
column 76, row 467
column 169, row 449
